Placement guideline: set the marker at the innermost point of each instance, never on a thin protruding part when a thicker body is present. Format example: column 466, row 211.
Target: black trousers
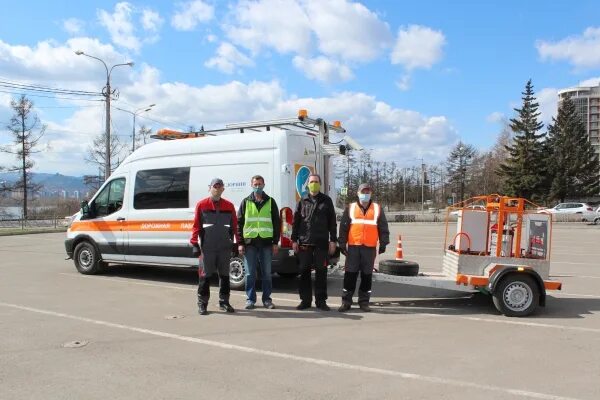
column 214, row 262
column 310, row 257
column 360, row 259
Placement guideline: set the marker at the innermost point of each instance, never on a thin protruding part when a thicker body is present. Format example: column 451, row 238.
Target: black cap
column 217, row 180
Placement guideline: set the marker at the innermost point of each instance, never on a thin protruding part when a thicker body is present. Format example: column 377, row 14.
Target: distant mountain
column 49, row 181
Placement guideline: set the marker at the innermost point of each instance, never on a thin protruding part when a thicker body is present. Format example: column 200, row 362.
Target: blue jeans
column 258, row 256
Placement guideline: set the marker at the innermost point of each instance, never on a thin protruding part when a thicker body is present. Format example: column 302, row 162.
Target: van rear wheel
column 237, row 273
column 87, row 259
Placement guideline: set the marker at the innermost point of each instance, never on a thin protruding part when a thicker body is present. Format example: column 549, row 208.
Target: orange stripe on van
column 132, row 226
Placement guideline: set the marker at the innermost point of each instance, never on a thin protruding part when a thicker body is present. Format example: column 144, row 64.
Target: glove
column 196, row 251
column 381, row 250
column 344, row 249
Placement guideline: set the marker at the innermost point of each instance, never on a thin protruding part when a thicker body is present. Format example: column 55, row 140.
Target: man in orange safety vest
column 362, row 228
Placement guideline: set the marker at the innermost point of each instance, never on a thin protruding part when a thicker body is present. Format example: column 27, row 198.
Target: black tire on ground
column 237, row 273
column 288, row 275
column 87, row 259
column 399, row 267
column 597, row 221
column 516, row 295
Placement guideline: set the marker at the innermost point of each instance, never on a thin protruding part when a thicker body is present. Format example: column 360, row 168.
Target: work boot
column 226, row 307
column 344, row 307
column 202, row 309
column 365, row 307
column 303, row 306
column 323, row 306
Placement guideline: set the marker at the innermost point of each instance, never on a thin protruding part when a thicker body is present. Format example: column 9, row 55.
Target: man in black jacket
column 313, row 237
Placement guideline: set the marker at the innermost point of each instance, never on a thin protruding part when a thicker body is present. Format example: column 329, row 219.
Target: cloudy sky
column 407, row 79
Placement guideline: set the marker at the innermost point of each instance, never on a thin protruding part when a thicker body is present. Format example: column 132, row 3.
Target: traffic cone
column 399, row 255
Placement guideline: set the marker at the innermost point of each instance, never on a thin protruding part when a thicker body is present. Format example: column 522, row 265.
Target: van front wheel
column 237, row 273
column 87, row 259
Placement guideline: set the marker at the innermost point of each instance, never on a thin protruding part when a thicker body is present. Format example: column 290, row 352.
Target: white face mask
column 364, row 197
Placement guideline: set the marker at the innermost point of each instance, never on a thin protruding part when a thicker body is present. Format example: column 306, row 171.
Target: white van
column 143, row 214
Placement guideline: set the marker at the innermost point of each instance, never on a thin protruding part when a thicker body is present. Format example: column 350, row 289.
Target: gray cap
column 364, row 186
column 216, row 180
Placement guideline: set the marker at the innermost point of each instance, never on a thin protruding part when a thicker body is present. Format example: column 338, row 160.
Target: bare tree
column 27, row 131
column 143, row 136
column 96, row 152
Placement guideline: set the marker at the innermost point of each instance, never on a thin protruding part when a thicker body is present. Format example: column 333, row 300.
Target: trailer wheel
column 399, row 267
column 87, row 259
column 237, row 273
column 517, row 295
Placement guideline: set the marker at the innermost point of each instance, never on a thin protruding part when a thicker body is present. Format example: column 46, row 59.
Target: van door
column 106, row 224
column 160, row 217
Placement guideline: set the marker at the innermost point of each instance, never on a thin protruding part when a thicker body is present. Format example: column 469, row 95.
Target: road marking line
column 407, row 309
column 573, row 263
column 535, row 324
column 575, row 276
column 592, row 296
column 292, row 357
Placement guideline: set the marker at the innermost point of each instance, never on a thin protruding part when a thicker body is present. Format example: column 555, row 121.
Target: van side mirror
column 85, row 208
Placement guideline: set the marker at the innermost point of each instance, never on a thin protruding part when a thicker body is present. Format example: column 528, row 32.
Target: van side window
column 110, row 199
column 162, row 188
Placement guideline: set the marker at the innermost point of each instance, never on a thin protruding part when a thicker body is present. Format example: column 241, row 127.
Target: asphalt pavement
column 134, row 333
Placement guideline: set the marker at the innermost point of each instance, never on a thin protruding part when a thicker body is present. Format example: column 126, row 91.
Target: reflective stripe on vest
column 363, row 227
column 258, row 222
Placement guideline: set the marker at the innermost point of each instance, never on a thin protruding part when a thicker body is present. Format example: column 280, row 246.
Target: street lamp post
column 135, row 113
column 107, row 93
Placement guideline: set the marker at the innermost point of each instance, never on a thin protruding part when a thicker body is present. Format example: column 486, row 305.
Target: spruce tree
column 524, row 169
column 572, row 163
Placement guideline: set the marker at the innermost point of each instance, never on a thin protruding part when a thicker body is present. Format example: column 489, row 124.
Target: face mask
column 314, row 187
column 364, row 197
column 257, row 190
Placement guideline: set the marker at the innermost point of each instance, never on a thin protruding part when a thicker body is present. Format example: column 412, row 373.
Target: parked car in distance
column 597, row 216
column 586, row 211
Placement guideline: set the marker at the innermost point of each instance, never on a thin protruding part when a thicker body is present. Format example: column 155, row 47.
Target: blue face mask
column 257, row 190
column 364, row 197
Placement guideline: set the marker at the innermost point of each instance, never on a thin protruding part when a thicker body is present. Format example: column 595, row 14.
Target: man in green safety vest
column 259, row 227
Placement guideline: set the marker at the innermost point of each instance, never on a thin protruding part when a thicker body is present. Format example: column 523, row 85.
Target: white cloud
column 282, row 25
column 348, row 30
column 228, row 59
column 393, row 133
column 330, row 34
column 590, row 82
column 48, row 61
column 120, row 27
column 73, row 26
column 211, row 38
column 581, row 51
column 323, row 69
column 548, row 101
column 418, row 47
column 190, row 14
column 495, row 117
column 151, row 20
